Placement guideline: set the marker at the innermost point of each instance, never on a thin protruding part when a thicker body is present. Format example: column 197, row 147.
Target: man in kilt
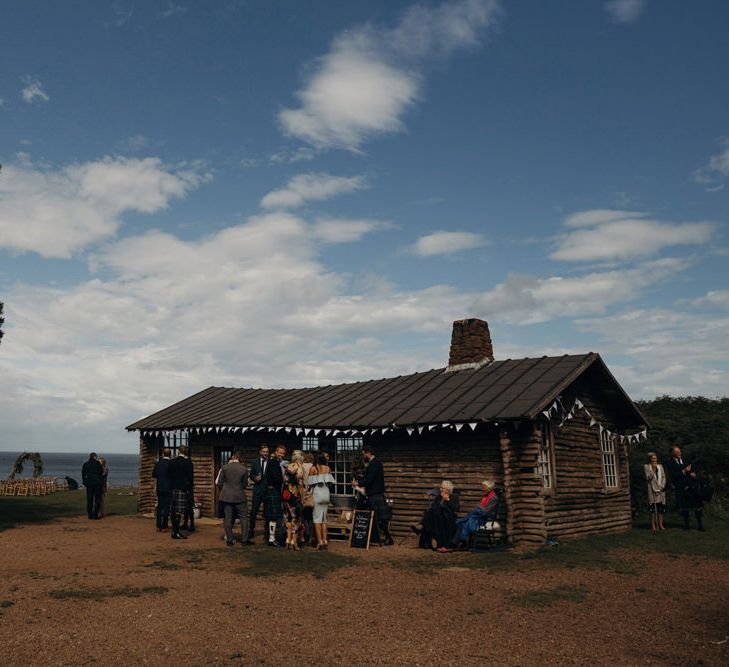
column 181, row 487
column 272, row 507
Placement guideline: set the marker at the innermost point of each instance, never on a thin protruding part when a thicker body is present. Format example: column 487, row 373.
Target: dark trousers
column 230, row 511
column 256, row 500
column 163, row 509
column 381, row 528
column 93, row 501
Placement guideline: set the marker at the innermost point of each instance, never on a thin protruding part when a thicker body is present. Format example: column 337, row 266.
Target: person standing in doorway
column 373, row 483
column 232, row 482
column 161, row 474
column 258, row 477
column 92, row 475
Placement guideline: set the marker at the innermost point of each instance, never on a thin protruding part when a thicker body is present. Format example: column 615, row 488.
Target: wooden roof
column 502, row 390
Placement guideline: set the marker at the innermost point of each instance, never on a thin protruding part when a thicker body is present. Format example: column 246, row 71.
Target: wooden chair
column 489, row 534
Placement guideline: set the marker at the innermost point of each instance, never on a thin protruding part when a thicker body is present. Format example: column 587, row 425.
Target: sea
column 122, row 467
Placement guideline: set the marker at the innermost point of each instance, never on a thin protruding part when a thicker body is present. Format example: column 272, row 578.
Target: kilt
column 179, row 501
column 272, row 507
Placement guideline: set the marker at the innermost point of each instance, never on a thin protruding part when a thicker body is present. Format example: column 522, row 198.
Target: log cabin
column 552, row 432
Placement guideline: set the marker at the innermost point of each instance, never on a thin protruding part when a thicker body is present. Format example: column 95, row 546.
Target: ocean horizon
column 123, row 468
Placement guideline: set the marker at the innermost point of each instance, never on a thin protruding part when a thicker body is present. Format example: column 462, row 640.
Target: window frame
column 174, row 440
column 608, row 450
column 546, row 464
column 347, row 450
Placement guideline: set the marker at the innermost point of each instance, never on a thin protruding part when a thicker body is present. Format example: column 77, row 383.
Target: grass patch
column 37, row 509
column 266, row 562
column 618, row 553
column 550, row 596
column 99, row 594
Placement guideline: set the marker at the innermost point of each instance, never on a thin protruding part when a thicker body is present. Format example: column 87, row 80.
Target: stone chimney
column 470, row 345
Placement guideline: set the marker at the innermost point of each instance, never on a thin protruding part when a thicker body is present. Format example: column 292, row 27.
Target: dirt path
column 150, row 600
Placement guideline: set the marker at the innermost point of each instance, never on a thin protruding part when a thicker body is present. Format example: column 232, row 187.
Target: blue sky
column 296, row 193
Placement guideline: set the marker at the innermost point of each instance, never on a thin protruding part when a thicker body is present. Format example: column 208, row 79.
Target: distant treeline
column 700, row 426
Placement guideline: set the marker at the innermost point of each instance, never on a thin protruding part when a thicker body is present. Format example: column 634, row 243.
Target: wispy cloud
column 135, row 143
column 372, row 75
column 312, row 187
column 33, row 91
column 715, row 172
column 525, row 299
column 446, row 243
column 625, row 11
column 56, row 213
column 624, row 235
column 344, row 230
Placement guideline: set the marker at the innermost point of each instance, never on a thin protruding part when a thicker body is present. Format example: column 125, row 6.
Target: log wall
column 580, row 503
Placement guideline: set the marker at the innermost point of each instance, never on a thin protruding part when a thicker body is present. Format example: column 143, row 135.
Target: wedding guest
column 682, row 474
column 655, row 476
column 483, row 512
column 292, row 496
column 272, row 507
column 320, row 476
column 437, row 528
column 232, row 482
column 373, row 485
column 160, row 474
column 258, row 477
column 92, row 478
column 307, row 502
column 181, row 486
column 104, row 487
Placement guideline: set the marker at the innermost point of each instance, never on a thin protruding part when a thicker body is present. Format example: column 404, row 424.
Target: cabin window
column 310, row 443
column 174, row 440
column 544, row 464
column 348, row 451
column 609, row 459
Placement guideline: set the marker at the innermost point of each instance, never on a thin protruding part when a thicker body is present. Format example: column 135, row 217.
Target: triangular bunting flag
column 409, row 429
column 421, row 429
column 578, row 404
column 473, row 425
column 593, row 421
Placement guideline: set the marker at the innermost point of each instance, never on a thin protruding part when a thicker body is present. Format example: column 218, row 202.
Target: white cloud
column 523, row 299
column 714, row 174
column 312, row 187
column 370, row 76
column 344, row 230
column 134, row 143
column 56, row 213
column 600, row 216
column 625, row 11
column 33, row 91
column 613, row 236
column 715, row 298
column 447, row 243
column 670, row 352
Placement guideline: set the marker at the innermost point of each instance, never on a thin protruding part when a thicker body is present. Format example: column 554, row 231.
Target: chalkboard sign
column 359, row 538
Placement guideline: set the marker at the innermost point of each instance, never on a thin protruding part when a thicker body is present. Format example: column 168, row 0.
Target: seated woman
column 437, row 528
column 483, row 512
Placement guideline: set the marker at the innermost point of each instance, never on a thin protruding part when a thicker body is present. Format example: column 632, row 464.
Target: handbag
column 308, row 499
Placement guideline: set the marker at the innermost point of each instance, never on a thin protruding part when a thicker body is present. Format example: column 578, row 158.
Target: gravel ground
column 150, row 600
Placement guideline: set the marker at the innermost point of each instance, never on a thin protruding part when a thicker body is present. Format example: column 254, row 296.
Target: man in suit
column 682, row 474
column 232, row 482
column 373, row 483
column 180, row 475
column 258, row 477
column 161, row 474
column 92, row 475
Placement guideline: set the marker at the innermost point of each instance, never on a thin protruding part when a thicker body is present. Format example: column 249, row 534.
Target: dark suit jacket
column 674, row 472
column 181, row 475
column 258, row 487
column 274, row 474
column 374, row 478
column 92, row 473
column 161, row 474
